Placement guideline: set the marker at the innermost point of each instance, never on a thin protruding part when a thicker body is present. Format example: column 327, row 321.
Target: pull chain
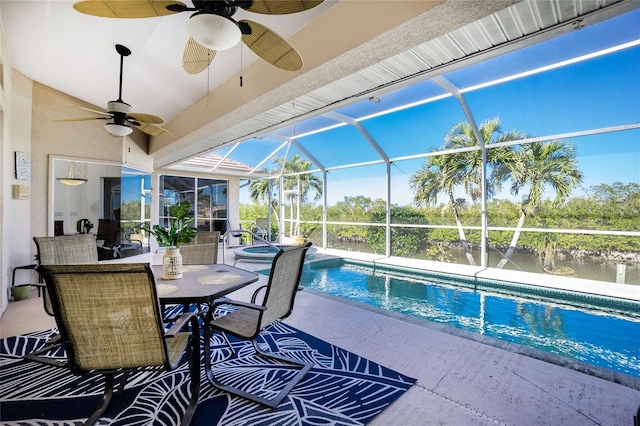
column 240, row 64
column 208, row 78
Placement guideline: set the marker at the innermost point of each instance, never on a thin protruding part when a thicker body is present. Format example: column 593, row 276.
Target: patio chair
column 199, row 254
column 111, row 323
column 262, row 227
column 64, row 250
column 208, row 237
column 249, row 319
column 61, row 250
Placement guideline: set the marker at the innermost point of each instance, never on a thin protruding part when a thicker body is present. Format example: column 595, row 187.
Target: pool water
column 595, row 337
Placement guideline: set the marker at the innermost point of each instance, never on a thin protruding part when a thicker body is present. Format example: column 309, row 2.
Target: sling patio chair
column 64, row 250
column 110, row 322
column 249, row 319
column 199, row 254
column 207, row 237
column 61, row 250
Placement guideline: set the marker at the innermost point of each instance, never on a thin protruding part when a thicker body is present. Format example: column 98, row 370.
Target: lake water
column 584, row 268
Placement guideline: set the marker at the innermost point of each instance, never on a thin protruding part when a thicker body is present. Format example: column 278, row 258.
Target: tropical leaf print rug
column 342, row 388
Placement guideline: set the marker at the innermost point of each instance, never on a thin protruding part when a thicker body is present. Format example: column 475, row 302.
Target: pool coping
column 562, row 361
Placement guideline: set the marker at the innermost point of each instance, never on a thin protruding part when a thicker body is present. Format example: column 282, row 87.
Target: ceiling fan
column 212, row 26
column 121, row 114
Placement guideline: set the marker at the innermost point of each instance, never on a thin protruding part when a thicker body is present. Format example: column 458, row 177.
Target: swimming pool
column 595, row 336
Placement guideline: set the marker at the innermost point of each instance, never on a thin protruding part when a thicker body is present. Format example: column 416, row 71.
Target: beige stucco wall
column 16, row 136
column 16, row 105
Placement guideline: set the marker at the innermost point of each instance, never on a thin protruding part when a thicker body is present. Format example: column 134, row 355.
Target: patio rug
column 341, row 389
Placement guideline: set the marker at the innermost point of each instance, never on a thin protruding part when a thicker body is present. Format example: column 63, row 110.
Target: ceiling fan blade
column 92, row 110
column 126, row 8
column 279, row 7
column 196, row 58
column 152, row 130
column 271, row 47
column 82, row 119
column 145, row 118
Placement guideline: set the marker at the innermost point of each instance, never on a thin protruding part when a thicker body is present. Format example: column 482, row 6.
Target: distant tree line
column 607, row 207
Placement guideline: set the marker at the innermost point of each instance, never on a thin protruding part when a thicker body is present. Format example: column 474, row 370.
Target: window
column 208, row 198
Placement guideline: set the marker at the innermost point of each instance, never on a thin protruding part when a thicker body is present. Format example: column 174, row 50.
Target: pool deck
column 463, row 378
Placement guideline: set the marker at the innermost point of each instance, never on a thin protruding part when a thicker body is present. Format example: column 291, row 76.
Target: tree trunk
column 514, row 241
column 291, row 216
column 463, row 239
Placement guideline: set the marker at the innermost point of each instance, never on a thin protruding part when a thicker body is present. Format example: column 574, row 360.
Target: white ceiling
column 75, row 53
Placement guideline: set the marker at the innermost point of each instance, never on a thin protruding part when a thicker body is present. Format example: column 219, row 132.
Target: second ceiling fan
column 212, row 26
column 119, row 112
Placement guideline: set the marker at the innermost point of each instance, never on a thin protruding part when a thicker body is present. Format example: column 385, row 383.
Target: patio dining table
column 201, row 283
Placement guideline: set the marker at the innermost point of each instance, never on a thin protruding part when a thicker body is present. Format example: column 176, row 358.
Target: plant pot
column 172, row 264
column 565, row 271
column 21, row 292
column 297, row 240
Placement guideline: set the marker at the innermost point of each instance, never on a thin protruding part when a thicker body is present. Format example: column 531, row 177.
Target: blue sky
column 595, row 93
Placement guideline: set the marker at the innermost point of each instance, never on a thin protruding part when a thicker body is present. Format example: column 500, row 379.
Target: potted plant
column 178, row 232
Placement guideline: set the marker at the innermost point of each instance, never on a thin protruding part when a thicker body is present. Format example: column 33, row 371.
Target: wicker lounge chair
column 251, row 318
column 110, row 322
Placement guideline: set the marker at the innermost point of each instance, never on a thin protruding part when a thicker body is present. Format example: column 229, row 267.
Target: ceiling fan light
column 118, row 129
column 213, row 31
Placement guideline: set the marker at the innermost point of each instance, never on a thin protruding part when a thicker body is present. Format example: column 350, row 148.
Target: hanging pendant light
column 70, row 179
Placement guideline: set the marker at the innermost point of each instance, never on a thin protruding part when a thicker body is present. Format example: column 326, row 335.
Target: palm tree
column 546, row 243
column 259, row 191
column 435, row 177
column 537, row 166
column 304, row 183
column 443, row 174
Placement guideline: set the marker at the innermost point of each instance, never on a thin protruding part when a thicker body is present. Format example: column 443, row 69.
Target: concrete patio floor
column 463, row 378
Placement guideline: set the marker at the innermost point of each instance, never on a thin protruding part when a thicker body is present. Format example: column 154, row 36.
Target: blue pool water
column 595, row 337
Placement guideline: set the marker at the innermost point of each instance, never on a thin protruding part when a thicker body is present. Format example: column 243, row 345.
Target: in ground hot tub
column 264, row 253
